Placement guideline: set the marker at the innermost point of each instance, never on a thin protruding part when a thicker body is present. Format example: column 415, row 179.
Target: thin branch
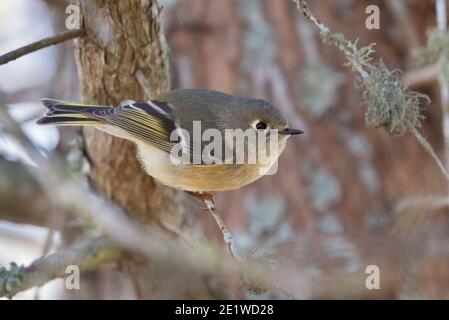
column 145, row 84
column 227, row 237
column 428, row 147
column 86, row 256
column 43, row 43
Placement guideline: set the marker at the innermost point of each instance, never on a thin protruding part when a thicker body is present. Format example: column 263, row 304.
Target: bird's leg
column 202, row 197
column 208, row 199
column 226, row 234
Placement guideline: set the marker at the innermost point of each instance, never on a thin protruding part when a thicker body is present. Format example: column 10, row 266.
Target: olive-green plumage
column 150, row 124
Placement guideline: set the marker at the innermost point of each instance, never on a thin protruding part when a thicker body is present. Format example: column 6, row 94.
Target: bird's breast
column 198, row 178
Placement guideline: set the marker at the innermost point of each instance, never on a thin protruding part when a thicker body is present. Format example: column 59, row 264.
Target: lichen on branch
column 389, row 102
column 87, row 255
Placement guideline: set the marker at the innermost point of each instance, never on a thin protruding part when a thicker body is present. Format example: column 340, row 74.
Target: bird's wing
column 152, row 121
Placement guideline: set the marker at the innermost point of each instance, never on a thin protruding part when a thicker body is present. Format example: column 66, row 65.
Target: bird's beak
column 290, row 131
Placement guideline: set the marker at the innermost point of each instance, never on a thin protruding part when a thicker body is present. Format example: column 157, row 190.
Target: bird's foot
column 203, row 197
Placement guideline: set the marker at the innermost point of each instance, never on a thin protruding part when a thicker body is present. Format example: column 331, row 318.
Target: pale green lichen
column 357, row 56
column 11, row 278
column 389, row 102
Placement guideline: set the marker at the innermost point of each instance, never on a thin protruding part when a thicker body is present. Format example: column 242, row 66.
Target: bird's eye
column 261, row 126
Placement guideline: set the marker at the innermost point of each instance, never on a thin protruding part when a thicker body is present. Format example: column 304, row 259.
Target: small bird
column 151, row 124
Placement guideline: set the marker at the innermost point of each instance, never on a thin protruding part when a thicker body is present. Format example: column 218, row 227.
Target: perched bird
column 151, row 125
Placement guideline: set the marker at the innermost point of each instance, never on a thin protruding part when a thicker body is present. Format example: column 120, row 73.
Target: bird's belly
column 197, row 178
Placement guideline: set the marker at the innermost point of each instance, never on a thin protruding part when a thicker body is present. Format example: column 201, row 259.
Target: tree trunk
column 123, row 38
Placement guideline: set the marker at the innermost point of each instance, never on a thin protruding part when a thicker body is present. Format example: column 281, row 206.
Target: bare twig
column 145, row 84
column 43, row 43
column 86, row 256
column 428, row 147
column 226, row 233
column 208, row 199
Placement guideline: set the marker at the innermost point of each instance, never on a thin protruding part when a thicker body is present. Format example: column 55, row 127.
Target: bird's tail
column 67, row 113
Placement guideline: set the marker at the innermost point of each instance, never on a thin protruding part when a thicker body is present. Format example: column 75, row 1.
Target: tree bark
column 123, row 38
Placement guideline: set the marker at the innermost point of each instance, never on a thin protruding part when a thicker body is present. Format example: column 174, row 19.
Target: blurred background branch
column 18, row 191
column 50, row 41
column 87, row 255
